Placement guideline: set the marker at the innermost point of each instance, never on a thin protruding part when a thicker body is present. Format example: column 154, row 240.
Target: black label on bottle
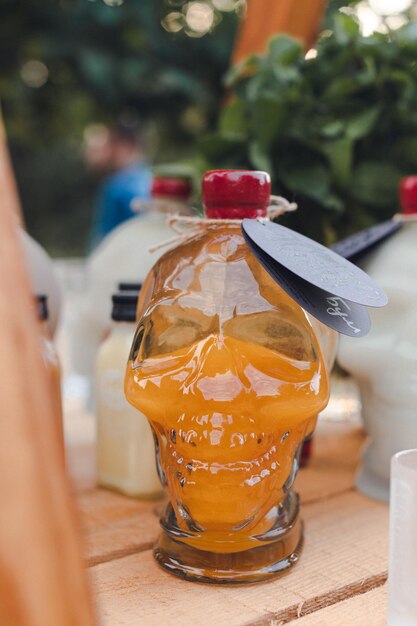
column 359, row 244
column 325, row 284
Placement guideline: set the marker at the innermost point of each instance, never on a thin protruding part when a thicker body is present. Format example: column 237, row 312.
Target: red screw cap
column 174, row 188
column 236, row 194
column 408, row 195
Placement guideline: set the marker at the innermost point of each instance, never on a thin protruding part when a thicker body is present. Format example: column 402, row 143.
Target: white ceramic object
column 384, row 363
column 125, row 446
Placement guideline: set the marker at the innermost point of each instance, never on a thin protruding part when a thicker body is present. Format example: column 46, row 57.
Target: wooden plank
column 116, row 526
column 266, row 18
column 8, row 187
column 42, row 578
column 336, row 452
column 345, row 551
column 363, row 610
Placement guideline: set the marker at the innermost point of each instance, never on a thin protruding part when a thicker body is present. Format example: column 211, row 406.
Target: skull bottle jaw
column 236, row 194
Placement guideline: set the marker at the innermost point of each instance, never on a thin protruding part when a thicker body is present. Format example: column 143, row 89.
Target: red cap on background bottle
column 174, row 188
column 236, row 194
column 408, row 195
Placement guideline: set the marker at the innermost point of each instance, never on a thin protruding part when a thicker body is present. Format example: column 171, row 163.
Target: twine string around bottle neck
column 186, row 226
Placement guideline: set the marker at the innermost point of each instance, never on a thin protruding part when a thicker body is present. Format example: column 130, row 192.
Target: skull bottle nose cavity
column 219, row 378
column 236, row 194
column 216, row 357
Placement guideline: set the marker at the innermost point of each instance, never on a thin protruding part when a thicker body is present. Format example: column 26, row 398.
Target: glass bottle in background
column 129, row 286
column 230, row 373
column 123, row 256
column 171, row 195
column 384, row 363
column 125, row 447
column 51, row 360
column 42, row 275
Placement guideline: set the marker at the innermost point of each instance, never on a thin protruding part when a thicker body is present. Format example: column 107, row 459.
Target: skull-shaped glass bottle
column 229, row 372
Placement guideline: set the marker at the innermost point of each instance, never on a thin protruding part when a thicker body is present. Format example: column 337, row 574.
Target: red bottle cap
column 169, row 187
column 408, row 195
column 236, row 194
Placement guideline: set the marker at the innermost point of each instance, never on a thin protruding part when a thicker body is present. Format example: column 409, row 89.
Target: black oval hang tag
column 314, row 285
column 316, row 264
column 343, row 316
column 356, row 246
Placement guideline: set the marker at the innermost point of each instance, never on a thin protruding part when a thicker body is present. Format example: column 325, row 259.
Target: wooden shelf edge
column 120, row 554
column 347, row 592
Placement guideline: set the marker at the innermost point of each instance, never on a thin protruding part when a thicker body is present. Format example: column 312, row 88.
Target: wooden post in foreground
column 8, row 188
column 265, row 18
column 42, row 576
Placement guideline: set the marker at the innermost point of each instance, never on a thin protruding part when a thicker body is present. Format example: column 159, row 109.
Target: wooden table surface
column 340, row 579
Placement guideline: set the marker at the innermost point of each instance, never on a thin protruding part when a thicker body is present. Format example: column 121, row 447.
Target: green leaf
column 286, row 74
column 259, row 158
column 312, row 180
column 253, row 63
column 233, row 120
column 341, row 87
column 346, row 28
column 360, row 125
column 269, row 115
column 333, row 202
column 376, row 184
column 285, row 50
column 406, row 151
column 218, row 149
column 333, row 129
column 406, row 36
column 340, row 156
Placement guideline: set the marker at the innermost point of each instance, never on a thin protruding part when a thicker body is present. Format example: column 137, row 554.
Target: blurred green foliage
column 336, row 131
column 101, row 61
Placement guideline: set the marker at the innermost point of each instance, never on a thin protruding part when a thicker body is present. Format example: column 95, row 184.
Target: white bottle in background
column 123, row 256
column 41, row 274
column 125, row 446
column 384, row 363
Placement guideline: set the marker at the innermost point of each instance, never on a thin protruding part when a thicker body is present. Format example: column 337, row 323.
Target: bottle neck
column 161, row 207
column 238, row 212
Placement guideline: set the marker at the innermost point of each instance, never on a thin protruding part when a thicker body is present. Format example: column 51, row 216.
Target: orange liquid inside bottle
column 228, row 370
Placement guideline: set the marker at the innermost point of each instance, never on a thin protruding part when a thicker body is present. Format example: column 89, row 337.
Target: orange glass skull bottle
column 229, row 372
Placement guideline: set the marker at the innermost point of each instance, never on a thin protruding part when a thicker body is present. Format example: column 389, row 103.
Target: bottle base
column 257, row 564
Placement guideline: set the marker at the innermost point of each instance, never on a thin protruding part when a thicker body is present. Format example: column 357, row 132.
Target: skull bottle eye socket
column 137, row 340
column 137, row 345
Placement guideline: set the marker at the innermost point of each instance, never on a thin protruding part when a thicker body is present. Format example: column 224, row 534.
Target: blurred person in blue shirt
column 119, row 153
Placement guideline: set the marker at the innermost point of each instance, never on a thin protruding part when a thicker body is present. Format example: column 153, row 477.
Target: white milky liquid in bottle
column 125, row 447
